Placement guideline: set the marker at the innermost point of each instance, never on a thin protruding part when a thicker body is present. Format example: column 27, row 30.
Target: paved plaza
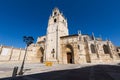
column 37, row 71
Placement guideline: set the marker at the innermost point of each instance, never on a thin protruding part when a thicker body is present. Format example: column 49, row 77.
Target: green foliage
column 28, row 40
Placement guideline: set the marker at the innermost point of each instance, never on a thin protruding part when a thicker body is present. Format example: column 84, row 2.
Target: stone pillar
column 96, row 49
column 19, row 55
column 64, row 55
column 44, row 55
column 11, row 53
column 61, row 60
column 110, row 50
column 76, row 56
column 88, row 55
column 1, row 49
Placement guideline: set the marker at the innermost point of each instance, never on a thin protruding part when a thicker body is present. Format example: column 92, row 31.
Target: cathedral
column 59, row 47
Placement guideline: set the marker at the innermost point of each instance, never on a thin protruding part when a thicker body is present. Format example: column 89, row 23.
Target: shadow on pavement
column 97, row 72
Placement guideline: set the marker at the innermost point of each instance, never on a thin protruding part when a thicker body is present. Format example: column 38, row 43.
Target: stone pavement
column 68, row 72
column 7, row 69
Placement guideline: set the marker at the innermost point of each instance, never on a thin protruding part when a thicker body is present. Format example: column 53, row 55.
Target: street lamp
column 28, row 40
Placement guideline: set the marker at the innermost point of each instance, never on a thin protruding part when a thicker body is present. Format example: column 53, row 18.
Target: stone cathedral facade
column 59, row 47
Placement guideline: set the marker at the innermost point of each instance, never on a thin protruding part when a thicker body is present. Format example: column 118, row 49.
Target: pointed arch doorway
column 70, row 54
column 40, row 54
column 69, row 57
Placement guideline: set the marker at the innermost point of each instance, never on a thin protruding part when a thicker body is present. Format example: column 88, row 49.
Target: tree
column 28, row 40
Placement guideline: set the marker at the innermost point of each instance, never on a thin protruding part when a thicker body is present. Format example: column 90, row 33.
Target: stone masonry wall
column 16, row 54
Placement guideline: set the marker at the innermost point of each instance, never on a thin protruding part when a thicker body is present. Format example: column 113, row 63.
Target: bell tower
column 57, row 27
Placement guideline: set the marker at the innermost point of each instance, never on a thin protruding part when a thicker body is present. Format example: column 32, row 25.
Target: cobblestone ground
column 63, row 72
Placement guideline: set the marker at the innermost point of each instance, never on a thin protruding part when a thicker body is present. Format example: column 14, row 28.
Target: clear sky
column 30, row 18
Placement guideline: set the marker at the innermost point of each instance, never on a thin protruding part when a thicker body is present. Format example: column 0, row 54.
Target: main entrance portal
column 40, row 54
column 69, row 57
column 69, row 54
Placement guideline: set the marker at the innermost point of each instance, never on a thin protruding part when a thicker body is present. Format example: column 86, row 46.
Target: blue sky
column 30, row 18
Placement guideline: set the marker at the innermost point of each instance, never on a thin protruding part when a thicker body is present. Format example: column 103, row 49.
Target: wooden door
column 69, row 58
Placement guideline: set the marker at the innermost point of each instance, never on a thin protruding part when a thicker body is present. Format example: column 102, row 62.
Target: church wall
column 15, row 54
column 41, row 39
column 93, row 56
column 113, row 51
column 29, row 55
column 32, row 55
column 117, row 59
column 51, row 44
column 1, row 49
column 84, row 56
column 81, row 53
column 64, row 55
column 103, row 58
column 76, row 55
column 5, row 53
column 21, row 56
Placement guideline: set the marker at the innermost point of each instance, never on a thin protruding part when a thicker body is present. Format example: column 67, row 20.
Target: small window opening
column 55, row 13
column 78, row 47
column 119, row 54
column 117, row 50
column 55, row 20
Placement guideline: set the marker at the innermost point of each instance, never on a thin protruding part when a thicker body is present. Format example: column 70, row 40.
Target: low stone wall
column 10, row 54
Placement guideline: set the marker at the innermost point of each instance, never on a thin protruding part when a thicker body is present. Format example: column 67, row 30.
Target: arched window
column 55, row 20
column 93, row 48
column 106, row 49
column 55, row 13
column 42, row 50
column 85, row 40
column 119, row 54
column 117, row 50
column 53, row 51
column 78, row 46
column 41, row 54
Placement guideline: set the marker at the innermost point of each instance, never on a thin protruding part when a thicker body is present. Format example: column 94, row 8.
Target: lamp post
column 28, row 40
